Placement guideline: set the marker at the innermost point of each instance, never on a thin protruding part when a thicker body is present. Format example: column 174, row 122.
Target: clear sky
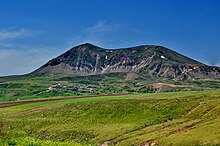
column 34, row 31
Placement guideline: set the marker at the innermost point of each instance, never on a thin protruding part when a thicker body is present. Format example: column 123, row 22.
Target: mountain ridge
column 149, row 60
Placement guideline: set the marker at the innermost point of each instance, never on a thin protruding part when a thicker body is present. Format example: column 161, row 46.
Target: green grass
column 13, row 88
column 122, row 120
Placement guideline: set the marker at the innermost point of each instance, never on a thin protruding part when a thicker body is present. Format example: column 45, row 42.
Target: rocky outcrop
column 141, row 60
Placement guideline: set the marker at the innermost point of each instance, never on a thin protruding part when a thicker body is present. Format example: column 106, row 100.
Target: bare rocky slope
column 145, row 60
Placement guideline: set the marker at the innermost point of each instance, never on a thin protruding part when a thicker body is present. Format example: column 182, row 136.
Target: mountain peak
column 87, row 46
column 144, row 60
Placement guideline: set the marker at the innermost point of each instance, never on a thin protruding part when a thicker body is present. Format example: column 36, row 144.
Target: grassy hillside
column 15, row 88
column 181, row 118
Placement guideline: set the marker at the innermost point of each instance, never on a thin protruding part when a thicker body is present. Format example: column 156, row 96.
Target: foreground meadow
column 177, row 118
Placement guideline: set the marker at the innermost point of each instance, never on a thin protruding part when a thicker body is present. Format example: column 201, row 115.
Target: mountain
column 145, row 60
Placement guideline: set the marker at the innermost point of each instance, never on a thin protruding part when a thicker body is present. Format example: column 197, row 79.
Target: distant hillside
column 145, row 60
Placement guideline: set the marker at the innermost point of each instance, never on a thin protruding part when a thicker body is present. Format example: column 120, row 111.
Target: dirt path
column 182, row 129
column 105, row 143
column 193, row 108
column 149, row 142
column 177, row 131
column 160, row 85
column 9, row 104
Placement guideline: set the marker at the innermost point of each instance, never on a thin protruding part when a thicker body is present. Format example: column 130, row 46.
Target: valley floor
column 175, row 118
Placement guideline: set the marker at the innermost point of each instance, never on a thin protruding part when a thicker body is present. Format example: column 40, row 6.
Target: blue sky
column 34, row 31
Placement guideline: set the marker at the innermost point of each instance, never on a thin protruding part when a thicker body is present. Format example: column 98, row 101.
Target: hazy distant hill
column 145, row 60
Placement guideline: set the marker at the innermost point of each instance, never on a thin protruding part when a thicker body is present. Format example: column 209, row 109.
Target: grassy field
column 172, row 118
column 14, row 88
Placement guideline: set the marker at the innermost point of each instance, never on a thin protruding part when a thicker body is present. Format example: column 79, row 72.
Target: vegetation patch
column 160, row 118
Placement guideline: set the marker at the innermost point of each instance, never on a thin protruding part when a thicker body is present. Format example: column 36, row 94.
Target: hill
column 90, row 70
column 145, row 60
column 184, row 118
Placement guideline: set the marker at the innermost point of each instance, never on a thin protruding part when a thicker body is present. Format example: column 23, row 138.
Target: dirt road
column 16, row 103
